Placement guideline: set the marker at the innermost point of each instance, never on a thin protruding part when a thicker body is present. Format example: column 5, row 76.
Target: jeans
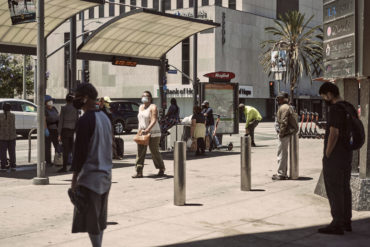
column 209, row 132
column 337, row 176
column 67, row 141
column 52, row 138
column 252, row 125
column 7, row 146
column 283, row 155
column 154, row 150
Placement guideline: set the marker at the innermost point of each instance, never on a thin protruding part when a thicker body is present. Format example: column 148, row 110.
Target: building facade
column 233, row 47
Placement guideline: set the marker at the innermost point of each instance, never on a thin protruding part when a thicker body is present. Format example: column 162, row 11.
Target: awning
column 22, row 38
column 140, row 34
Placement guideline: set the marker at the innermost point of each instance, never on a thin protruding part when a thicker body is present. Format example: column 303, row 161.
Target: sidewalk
column 141, row 211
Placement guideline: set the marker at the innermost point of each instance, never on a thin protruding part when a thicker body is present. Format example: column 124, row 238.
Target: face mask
column 79, row 103
column 144, row 100
column 328, row 102
column 49, row 103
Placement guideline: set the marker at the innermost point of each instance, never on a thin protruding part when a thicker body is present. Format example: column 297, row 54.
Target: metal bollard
column 245, row 164
column 294, row 156
column 179, row 173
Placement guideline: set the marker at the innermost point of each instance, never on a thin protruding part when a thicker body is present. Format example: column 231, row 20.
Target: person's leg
column 96, row 239
column 140, row 158
column 54, row 140
column 65, row 143
column 156, row 155
column 198, row 146
column 3, row 147
column 212, row 129
column 347, row 198
column 283, row 156
column 11, row 150
column 48, row 149
column 202, row 145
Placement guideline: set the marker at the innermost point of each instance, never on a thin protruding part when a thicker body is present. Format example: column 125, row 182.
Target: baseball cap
column 282, row 95
column 107, row 99
column 205, row 102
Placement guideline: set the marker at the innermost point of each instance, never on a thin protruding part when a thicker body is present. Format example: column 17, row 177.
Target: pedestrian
column 92, row 165
column 337, row 161
column 198, row 129
column 8, row 137
column 66, row 129
column 286, row 126
column 252, row 119
column 104, row 105
column 171, row 118
column 148, row 123
column 51, row 131
column 210, row 125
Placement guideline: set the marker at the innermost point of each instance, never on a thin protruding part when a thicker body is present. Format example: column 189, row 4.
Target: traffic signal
column 272, row 89
column 87, row 75
column 167, row 66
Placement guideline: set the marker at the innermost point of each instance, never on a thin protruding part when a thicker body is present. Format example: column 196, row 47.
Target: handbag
column 142, row 139
column 58, row 159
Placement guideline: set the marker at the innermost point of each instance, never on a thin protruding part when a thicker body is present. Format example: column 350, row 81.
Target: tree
column 303, row 46
column 11, row 75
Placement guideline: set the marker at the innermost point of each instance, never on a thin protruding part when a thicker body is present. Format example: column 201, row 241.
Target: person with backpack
column 344, row 133
column 51, row 131
column 287, row 126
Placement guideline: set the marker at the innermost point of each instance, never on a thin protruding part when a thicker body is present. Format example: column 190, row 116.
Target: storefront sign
column 176, row 91
column 245, row 92
column 226, row 76
column 22, row 11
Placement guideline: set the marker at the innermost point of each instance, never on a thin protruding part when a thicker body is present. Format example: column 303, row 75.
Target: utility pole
column 83, row 39
column 72, row 53
column 41, row 178
column 195, row 58
column 24, row 96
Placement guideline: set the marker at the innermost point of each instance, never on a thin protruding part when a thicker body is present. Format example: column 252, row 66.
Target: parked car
column 25, row 114
column 124, row 115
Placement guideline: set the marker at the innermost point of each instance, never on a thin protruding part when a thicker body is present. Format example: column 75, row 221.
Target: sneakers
column 330, row 229
column 160, row 173
column 138, row 175
column 279, row 177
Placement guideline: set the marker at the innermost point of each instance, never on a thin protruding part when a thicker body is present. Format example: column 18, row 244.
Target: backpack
column 354, row 133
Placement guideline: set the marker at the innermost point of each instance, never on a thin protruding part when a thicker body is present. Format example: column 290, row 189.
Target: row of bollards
column 245, row 166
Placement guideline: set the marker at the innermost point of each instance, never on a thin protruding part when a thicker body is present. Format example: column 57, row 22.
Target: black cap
column 283, row 95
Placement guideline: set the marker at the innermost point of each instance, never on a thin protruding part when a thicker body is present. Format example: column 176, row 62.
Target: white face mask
column 50, row 103
column 145, row 100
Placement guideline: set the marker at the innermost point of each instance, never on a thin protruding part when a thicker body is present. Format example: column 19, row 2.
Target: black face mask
column 79, row 103
column 328, row 102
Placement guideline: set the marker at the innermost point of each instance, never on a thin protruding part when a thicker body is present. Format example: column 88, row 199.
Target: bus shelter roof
column 22, row 38
column 141, row 35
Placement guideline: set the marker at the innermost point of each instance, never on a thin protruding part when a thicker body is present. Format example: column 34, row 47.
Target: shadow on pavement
column 304, row 178
column 191, row 155
column 295, row 237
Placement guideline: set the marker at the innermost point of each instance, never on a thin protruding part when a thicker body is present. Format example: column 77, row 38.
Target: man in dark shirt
column 336, row 163
column 210, row 125
column 92, row 165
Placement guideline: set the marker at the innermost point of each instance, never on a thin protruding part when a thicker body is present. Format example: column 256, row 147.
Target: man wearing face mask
column 91, row 165
column 52, row 120
column 337, row 161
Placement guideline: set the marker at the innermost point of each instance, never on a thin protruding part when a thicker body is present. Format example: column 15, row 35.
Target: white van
column 25, row 114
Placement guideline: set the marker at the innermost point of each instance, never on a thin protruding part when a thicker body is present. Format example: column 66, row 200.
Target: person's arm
column 60, row 125
column 332, row 141
column 153, row 118
column 283, row 124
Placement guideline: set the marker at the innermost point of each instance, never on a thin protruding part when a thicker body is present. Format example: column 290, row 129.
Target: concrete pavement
column 141, row 211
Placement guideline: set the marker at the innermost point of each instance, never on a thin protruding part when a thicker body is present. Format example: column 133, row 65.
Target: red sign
column 121, row 62
column 220, row 75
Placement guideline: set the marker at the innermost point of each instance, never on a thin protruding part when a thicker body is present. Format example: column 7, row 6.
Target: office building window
column 133, row 3
column 156, row 4
column 91, row 13
column 101, row 11
column 144, row 3
column 185, row 60
column 205, row 2
column 122, row 8
column 111, row 8
column 191, row 3
column 283, row 6
column 218, row 2
column 167, row 4
column 180, row 4
column 232, row 4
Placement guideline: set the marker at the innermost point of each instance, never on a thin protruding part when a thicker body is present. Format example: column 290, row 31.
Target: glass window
column 133, row 3
column 111, row 8
column 91, row 13
column 185, row 59
column 218, row 2
column 232, row 4
column 180, row 4
column 156, row 4
column 124, row 107
column 285, row 6
column 135, row 107
column 167, row 4
column 15, row 106
column 191, row 3
column 28, row 107
column 122, row 8
column 1, row 105
column 144, row 3
column 205, row 2
column 101, row 11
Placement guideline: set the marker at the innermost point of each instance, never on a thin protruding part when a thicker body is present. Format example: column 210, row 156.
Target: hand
column 59, row 138
column 327, row 154
column 47, row 133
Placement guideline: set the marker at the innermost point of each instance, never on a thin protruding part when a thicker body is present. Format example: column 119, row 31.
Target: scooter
column 228, row 147
column 300, row 134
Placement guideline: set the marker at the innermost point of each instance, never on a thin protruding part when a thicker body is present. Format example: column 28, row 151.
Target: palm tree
column 303, row 46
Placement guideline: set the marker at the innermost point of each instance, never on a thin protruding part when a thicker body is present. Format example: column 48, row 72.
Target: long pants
column 337, row 176
column 67, row 142
column 52, row 138
column 251, row 126
column 283, row 145
column 201, row 145
column 7, row 146
column 154, row 150
column 209, row 132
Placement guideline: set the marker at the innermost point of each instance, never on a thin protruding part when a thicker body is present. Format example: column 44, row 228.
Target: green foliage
column 11, row 75
column 302, row 43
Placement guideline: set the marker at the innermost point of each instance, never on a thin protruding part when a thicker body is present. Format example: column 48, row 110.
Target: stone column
column 365, row 118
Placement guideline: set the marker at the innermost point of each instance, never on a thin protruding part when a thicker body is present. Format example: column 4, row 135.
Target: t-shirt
column 173, row 112
column 209, row 118
column 336, row 115
column 199, row 118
